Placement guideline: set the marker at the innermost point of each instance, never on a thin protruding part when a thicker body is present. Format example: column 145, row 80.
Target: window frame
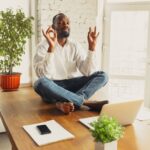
column 129, row 6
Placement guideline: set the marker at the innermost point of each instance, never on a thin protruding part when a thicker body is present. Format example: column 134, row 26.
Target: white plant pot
column 107, row 146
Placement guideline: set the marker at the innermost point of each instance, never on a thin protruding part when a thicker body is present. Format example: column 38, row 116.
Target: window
column 126, row 49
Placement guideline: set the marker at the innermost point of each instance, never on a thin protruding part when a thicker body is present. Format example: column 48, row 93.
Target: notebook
column 125, row 112
column 58, row 133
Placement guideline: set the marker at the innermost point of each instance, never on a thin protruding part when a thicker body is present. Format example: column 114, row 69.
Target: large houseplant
column 15, row 29
column 106, row 131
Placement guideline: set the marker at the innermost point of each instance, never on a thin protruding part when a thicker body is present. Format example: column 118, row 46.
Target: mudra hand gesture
column 92, row 38
column 51, row 36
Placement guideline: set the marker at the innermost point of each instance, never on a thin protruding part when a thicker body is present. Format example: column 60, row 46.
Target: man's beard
column 64, row 34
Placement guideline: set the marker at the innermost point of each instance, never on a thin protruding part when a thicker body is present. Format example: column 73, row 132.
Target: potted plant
column 15, row 29
column 106, row 131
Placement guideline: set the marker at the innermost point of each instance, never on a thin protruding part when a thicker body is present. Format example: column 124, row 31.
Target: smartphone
column 43, row 129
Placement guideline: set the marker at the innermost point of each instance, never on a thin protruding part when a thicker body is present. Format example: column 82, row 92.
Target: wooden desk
column 25, row 107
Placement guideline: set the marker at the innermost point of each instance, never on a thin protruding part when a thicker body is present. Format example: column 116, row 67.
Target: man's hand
column 92, row 38
column 51, row 36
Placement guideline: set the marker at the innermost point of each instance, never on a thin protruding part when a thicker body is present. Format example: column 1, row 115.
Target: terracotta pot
column 10, row 82
column 0, row 81
column 107, row 146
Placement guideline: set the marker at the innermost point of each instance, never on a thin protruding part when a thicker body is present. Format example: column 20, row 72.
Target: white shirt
column 65, row 62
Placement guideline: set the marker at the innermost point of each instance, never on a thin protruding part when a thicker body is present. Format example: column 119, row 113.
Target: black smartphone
column 43, row 129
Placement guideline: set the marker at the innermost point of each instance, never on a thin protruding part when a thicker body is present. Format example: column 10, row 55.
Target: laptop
column 125, row 112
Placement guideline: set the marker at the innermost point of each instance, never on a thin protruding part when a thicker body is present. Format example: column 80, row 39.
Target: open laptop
column 125, row 112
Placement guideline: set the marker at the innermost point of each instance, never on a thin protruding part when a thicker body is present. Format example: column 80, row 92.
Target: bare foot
column 65, row 107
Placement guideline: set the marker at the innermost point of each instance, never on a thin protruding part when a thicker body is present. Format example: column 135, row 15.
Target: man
column 57, row 62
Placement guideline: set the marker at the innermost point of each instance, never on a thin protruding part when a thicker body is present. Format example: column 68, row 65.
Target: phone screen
column 43, row 129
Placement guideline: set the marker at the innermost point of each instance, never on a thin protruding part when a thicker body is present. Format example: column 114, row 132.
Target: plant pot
column 0, row 81
column 10, row 82
column 106, row 146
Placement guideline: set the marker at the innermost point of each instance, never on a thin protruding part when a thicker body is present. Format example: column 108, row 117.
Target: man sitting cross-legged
column 57, row 62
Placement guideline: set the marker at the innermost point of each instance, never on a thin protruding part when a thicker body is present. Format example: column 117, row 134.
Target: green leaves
column 106, row 129
column 15, row 29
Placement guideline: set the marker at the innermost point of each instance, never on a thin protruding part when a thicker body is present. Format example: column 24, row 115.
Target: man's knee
column 102, row 76
column 42, row 82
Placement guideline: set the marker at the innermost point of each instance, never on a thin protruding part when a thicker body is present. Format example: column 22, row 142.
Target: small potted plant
column 106, row 131
column 15, row 29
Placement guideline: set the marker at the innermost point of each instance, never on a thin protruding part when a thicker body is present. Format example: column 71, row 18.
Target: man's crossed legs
column 72, row 93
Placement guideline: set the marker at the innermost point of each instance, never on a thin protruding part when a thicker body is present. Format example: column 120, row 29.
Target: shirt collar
column 66, row 44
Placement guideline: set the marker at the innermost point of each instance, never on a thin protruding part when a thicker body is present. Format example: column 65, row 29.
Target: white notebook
column 58, row 133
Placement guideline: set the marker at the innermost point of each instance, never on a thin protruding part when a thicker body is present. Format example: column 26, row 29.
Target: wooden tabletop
column 25, row 107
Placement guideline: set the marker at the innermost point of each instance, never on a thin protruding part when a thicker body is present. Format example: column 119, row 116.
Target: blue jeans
column 75, row 90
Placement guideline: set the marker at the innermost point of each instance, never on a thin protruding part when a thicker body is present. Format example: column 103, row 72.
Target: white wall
column 82, row 14
column 26, row 62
